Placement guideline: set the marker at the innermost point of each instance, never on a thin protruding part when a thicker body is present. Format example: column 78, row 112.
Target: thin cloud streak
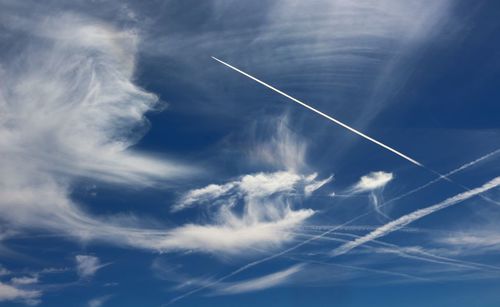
column 263, row 282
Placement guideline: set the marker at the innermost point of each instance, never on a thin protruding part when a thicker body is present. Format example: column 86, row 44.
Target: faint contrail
column 322, row 114
column 415, row 215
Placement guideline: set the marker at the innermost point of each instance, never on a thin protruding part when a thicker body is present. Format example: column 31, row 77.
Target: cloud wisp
column 261, row 283
column 10, row 293
column 265, row 201
column 373, row 183
column 71, row 110
column 87, row 266
column 99, row 301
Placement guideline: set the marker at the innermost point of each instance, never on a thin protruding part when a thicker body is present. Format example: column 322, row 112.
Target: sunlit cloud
column 87, row 266
column 261, row 283
column 9, row 293
column 372, row 181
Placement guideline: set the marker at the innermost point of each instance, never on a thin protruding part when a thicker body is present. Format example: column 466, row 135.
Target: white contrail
column 322, row 114
column 415, row 215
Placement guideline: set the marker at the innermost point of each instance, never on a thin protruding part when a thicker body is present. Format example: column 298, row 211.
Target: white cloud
column 261, row 283
column 254, row 186
column 98, row 301
column 236, row 235
column 4, row 271
column 10, row 293
column 87, row 266
column 267, row 184
column 282, row 149
column 372, row 181
column 25, row 280
column 267, row 213
column 70, row 110
column 311, row 188
column 473, row 240
column 202, row 195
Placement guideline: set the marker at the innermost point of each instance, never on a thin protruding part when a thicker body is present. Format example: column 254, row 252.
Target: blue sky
column 135, row 170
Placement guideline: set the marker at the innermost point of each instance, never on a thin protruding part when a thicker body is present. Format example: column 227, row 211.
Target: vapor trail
column 322, row 114
column 415, row 215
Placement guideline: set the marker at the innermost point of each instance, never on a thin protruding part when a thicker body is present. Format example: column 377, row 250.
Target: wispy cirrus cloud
column 87, row 266
column 71, row 110
column 265, row 201
column 372, row 181
column 10, row 293
column 99, row 301
column 24, row 280
column 262, row 282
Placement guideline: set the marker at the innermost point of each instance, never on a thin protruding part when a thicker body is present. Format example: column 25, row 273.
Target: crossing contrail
column 338, row 122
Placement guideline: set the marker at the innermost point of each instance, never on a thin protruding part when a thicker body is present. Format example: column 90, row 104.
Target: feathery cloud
column 70, row 109
column 372, row 181
column 87, row 266
column 9, row 293
column 261, row 283
column 24, row 280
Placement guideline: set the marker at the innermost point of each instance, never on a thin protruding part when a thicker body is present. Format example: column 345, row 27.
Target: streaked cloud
column 261, row 283
column 71, row 110
column 372, row 181
column 98, row 301
column 87, row 266
column 9, row 293
column 266, row 202
column 24, row 280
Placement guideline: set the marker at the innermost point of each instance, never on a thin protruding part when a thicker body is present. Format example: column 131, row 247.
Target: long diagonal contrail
column 338, row 122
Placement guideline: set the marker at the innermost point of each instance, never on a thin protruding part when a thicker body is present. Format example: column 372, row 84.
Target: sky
column 243, row 153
